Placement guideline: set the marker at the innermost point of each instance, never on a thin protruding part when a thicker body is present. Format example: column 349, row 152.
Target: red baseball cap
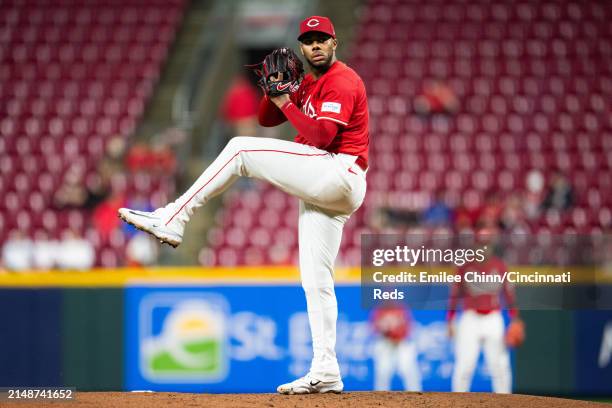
column 317, row 23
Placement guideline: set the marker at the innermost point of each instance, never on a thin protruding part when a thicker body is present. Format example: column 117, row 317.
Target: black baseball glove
column 280, row 72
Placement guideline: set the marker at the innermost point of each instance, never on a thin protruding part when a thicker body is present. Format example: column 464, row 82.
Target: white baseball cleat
column 152, row 223
column 309, row 385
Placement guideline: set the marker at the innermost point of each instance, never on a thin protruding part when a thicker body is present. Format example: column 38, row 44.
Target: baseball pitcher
column 325, row 168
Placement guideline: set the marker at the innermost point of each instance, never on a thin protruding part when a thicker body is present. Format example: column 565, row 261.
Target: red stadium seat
column 532, row 93
column 52, row 106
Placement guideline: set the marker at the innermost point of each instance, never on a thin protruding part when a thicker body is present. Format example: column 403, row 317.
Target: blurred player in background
column 481, row 324
column 325, row 168
column 394, row 349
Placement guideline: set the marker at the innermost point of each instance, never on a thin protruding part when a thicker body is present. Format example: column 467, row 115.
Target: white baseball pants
column 474, row 330
column 392, row 357
column 330, row 188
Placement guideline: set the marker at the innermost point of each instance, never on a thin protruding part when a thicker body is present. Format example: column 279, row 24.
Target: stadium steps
column 207, row 99
column 158, row 113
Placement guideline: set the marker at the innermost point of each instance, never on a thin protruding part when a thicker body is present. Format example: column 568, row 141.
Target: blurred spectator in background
column 512, row 218
column 466, row 214
column 163, row 158
column 560, row 194
column 80, row 191
column 139, row 157
column 112, row 161
column 44, row 251
column 490, row 213
column 157, row 158
column 72, row 193
column 75, row 252
column 76, row 192
column 394, row 350
column 438, row 213
column 104, row 217
column 436, row 98
column 389, row 220
column 239, row 108
column 17, row 252
column 378, row 222
column 532, row 201
column 97, row 190
column 141, row 250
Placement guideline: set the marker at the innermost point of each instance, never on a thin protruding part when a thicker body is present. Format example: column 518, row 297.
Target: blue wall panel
column 30, row 337
column 252, row 338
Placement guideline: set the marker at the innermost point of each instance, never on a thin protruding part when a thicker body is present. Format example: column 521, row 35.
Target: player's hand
column 450, row 329
column 282, row 99
column 515, row 333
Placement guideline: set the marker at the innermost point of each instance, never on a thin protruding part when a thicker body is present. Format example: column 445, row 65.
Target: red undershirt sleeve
column 319, row 133
column 269, row 115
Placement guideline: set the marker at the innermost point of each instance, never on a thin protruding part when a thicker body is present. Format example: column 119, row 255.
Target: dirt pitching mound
column 348, row 400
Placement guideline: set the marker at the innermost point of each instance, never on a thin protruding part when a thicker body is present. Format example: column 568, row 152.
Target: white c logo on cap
column 313, row 22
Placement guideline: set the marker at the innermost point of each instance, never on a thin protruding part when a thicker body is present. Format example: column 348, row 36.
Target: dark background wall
column 62, row 337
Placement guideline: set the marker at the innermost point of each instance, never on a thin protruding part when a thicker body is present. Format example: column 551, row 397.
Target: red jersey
column 338, row 95
column 392, row 322
column 481, row 297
